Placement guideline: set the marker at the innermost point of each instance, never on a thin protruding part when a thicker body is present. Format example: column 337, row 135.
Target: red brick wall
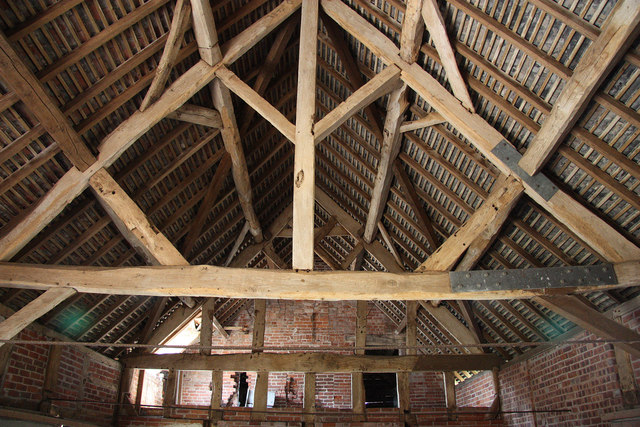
column 82, row 375
column 581, row 380
column 477, row 391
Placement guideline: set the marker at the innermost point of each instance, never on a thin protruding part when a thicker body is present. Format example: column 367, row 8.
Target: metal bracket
column 508, row 154
column 532, row 278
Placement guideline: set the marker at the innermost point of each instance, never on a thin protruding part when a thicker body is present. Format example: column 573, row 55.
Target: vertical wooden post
column 357, row 384
column 139, row 390
column 309, row 396
column 494, row 410
column 259, row 311
column 262, row 382
column 260, row 396
column 450, row 393
column 411, row 340
column 124, row 393
column 51, row 377
column 206, row 327
column 628, row 386
column 216, row 395
column 170, row 392
column 304, row 153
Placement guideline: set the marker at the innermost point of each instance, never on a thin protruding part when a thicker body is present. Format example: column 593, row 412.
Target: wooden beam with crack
column 134, row 225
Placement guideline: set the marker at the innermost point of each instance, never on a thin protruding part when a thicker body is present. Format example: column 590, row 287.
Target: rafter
column 619, row 31
column 32, row 92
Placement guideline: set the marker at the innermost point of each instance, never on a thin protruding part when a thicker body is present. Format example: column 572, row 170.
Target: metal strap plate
column 532, row 278
column 510, row 157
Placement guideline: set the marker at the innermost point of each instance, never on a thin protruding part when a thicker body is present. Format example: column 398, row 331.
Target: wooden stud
column 259, row 316
column 309, row 396
column 216, row 395
column 450, row 392
column 170, row 392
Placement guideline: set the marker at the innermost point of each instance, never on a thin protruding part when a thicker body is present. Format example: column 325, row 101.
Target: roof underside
column 97, row 58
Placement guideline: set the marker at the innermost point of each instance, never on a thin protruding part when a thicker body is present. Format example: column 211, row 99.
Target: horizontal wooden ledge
column 212, row 281
column 312, row 362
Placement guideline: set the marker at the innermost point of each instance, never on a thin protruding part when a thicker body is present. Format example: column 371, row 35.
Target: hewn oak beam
column 187, row 85
column 134, row 225
column 584, row 223
column 495, row 210
column 619, row 31
column 211, row 281
column 431, row 119
column 304, row 154
column 22, row 318
column 391, row 142
column 32, row 92
column 312, row 362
